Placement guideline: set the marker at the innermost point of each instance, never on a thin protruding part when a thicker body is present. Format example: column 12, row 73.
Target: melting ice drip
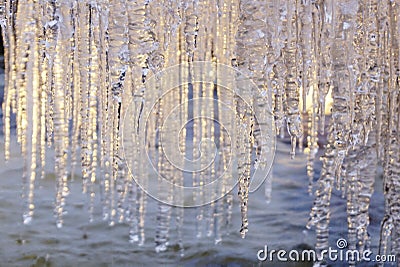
column 71, row 65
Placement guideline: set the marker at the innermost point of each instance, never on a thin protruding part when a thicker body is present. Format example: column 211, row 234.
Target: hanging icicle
column 74, row 69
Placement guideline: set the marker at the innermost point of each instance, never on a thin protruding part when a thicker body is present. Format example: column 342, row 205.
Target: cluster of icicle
column 72, row 68
column 71, row 65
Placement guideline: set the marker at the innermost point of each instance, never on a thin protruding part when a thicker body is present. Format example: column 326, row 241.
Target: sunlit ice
column 182, row 102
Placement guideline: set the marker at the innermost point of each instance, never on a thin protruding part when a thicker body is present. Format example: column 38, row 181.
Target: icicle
column 191, row 27
column 175, row 50
column 252, row 61
column 304, row 61
column 277, row 74
column 360, row 165
column 117, row 62
column 227, row 147
column 86, row 55
column 314, row 115
column 32, row 130
column 179, row 196
column 105, row 118
column 92, row 104
column 12, row 59
column 391, row 174
column 141, row 44
column 306, row 41
column 292, row 89
column 3, row 20
column 6, row 21
column 384, row 63
column 228, row 203
column 43, row 69
column 368, row 175
column 24, row 35
column 358, row 80
column 76, row 106
column 342, row 96
column 134, row 198
column 205, row 103
column 337, row 139
column 27, row 98
column 386, row 232
column 178, row 119
column 360, row 183
column 61, row 137
column 353, row 190
column 312, row 141
column 244, row 145
column 196, row 92
column 225, row 118
column 131, row 216
column 268, row 187
column 320, row 213
column 372, row 69
column 168, row 126
column 165, row 171
column 276, row 70
column 141, row 206
column 83, row 47
column 50, row 28
column 131, row 148
column 146, row 55
column 324, row 34
column 276, row 77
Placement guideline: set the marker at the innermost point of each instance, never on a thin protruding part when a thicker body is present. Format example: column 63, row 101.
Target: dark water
column 280, row 225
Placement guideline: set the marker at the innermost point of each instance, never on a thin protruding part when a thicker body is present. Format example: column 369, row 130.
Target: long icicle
column 292, row 89
column 61, row 140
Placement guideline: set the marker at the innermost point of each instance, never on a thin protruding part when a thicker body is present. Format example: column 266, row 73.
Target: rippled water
column 280, row 225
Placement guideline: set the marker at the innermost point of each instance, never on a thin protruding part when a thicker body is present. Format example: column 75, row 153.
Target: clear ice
column 71, row 67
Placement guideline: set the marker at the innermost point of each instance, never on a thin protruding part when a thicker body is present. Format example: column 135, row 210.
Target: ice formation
column 71, row 67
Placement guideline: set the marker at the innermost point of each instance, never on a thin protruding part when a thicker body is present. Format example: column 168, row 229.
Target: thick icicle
column 164, row 169
column 105, row 116
column 363, row 152
column 252, row 60
column 292, row 88
column 43, row 69
column 224, row 117
column 7, row 22
column 337, row 139
column 83, row 47
column 76, row 103
column 170, row 33
column 244, row 122
column 342, row 110
column 117, row 62
column 360, row 171
column 141, row 44
column 61, row 140
column 314, row 115
column 277, row 71
column 28, row 100
column 323, row 38
column 320, row 213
